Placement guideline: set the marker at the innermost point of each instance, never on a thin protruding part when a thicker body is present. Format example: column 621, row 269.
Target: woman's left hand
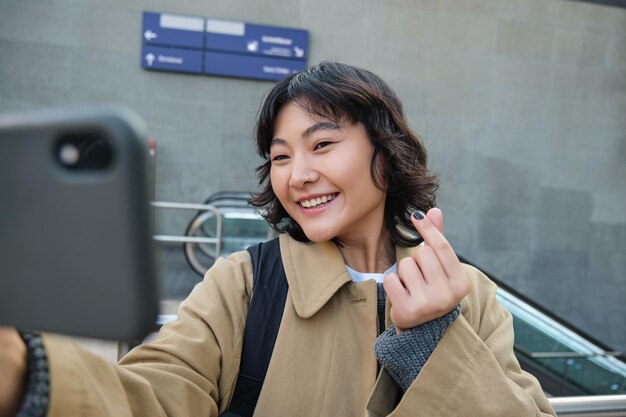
column 429, row 283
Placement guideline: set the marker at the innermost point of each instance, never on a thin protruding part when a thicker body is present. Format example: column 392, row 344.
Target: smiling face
column 320, row 173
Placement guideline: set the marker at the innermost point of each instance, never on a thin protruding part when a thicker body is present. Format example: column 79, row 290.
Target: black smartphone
column 76, row 252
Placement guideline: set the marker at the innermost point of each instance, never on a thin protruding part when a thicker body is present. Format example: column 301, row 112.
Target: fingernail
column 418, row 215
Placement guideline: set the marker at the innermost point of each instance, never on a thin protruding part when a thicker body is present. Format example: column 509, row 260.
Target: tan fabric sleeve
column 189, row 370
column 472, row 371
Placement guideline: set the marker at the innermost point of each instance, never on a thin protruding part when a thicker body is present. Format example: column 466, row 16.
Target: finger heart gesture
column 429, row 283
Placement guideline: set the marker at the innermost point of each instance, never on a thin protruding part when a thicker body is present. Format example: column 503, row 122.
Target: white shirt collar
column 364, row 276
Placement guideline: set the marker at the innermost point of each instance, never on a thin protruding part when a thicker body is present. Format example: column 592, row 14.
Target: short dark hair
column 341, row 93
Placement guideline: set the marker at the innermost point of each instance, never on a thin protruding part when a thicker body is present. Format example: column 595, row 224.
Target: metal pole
column 152, row 178
column 590, row 406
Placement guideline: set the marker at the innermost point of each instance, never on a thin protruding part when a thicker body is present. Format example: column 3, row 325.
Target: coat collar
column 315, row 272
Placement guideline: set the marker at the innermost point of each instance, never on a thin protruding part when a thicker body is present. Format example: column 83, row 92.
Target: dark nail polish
column 418, row 215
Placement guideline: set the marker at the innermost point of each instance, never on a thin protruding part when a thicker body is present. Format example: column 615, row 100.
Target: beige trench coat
column 323, row 363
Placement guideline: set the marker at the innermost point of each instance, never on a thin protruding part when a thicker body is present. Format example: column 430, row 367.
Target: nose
column 299, row 181
column 302, row 175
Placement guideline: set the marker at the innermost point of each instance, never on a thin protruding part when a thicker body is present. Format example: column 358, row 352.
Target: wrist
column 403, row 324
column 13, row 368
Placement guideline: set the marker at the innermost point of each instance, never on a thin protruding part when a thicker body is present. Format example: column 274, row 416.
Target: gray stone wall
column 521, row 103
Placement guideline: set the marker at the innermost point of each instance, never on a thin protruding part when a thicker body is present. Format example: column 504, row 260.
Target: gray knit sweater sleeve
column 404, row 354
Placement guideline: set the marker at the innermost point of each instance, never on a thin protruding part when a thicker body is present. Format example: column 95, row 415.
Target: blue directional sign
column 245, row 38
column 171, row 59
column 173, row 30
column 221, row 47
column 246, row 66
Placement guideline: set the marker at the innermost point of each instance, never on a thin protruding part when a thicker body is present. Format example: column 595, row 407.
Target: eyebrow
column 309, row 131
column 320, row 126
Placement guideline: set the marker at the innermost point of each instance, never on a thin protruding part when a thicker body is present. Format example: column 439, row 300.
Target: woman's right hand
column 13, row 367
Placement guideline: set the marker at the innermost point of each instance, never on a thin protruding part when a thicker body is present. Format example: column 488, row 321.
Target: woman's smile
column 316, row 201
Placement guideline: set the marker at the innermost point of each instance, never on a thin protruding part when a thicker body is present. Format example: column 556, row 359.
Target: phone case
column 76, row 253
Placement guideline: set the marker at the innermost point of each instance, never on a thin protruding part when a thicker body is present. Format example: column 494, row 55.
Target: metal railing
column 559, row 355
column 191, row 239
column 590, row 406
column 561, row 382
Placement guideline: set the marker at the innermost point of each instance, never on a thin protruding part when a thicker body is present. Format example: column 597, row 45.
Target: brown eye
column 322, row 145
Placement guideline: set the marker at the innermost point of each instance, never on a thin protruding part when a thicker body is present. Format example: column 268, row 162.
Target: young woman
column 373, row 324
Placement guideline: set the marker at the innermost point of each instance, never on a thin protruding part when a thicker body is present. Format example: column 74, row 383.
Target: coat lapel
column 315, row 271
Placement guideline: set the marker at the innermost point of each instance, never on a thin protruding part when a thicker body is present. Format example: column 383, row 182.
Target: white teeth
column 317, row 201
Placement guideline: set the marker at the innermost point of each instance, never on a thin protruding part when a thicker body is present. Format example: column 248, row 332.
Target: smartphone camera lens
column 69, row 154
column 90, row 150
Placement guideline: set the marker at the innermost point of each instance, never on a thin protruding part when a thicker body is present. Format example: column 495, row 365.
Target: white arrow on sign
column 253, row 46
column 149, row 35
column 299, row 51
column 150, row 58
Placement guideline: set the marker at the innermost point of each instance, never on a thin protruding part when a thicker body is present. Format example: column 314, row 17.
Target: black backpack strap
column 265, row 312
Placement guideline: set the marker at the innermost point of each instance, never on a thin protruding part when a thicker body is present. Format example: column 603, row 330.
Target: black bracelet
column 37, row 395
